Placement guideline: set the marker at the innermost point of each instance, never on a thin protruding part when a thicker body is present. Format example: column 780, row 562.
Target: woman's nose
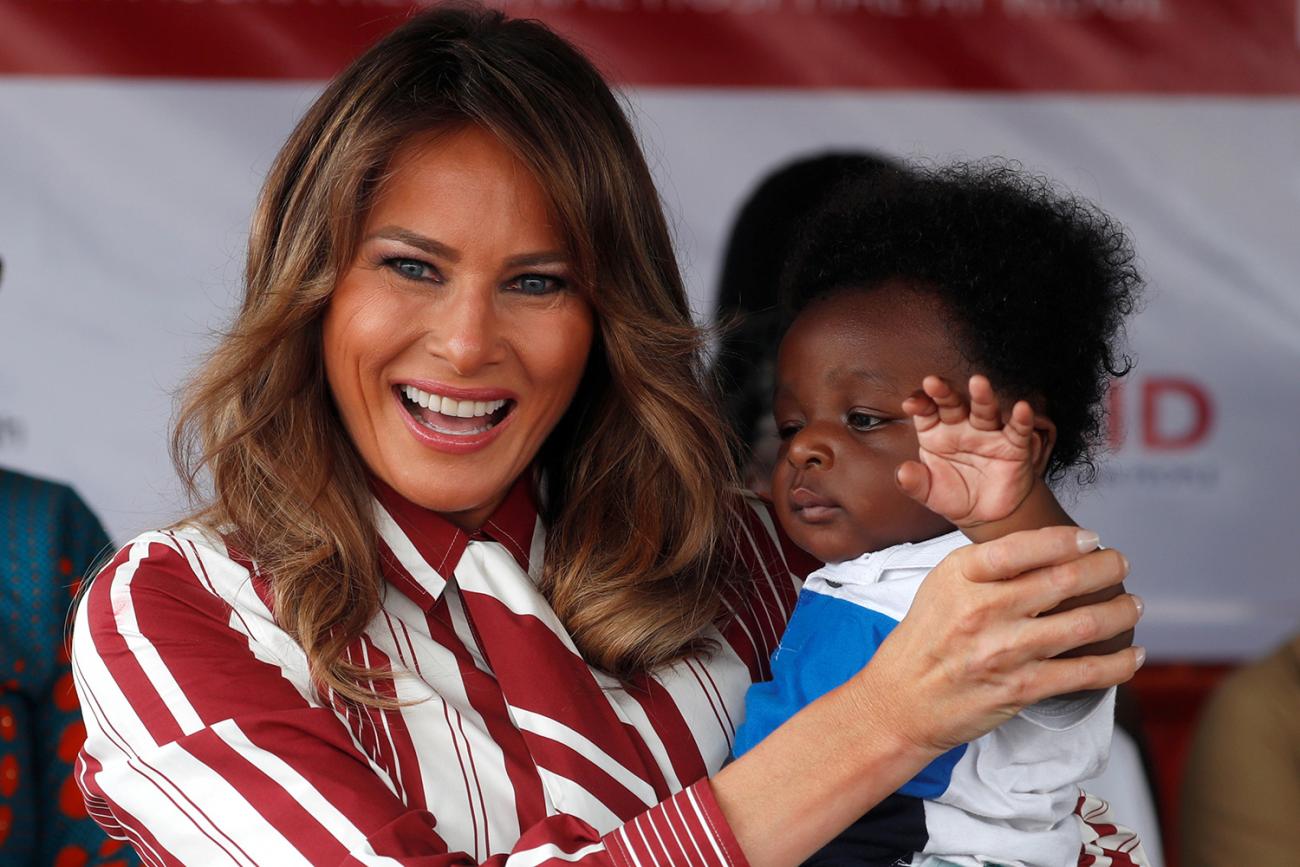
column 466, row 331
column 808, row 448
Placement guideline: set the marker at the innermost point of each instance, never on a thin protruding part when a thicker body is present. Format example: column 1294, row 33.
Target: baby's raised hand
column 973, row 469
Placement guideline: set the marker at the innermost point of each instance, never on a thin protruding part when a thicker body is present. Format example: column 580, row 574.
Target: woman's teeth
column 448, row 406
column 450, row 416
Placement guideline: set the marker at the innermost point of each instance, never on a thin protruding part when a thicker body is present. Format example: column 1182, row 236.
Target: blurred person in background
column 746, row 311
column 48, row 538
column 1241, row 791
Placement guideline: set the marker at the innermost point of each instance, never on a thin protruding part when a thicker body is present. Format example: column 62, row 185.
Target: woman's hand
column 973, row 650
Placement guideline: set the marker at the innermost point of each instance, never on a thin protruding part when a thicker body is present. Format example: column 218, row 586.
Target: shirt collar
column 921, row 555
column 873, row 566
column 419, row 548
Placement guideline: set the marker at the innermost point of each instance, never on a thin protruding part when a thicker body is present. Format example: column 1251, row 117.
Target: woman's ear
column 1043, row 442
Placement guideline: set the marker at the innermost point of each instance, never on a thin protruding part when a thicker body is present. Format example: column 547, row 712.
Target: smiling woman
column 457, row 337
column 474, row 581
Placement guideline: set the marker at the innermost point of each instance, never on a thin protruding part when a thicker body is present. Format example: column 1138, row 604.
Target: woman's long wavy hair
column 640, row 489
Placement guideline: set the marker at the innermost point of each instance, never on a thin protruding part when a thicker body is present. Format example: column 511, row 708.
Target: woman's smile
column 463, row 414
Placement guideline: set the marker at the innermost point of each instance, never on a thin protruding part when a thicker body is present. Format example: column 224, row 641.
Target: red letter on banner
column 1157, row 391
column 1115, row 427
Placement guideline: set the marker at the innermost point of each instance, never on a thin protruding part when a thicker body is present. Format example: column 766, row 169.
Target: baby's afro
column 1037, row 281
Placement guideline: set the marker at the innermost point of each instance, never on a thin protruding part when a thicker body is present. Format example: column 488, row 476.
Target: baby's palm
column 973, row 469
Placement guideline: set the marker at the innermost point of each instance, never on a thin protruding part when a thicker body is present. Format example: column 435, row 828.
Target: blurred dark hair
column 747, row 309
column 1037, row 281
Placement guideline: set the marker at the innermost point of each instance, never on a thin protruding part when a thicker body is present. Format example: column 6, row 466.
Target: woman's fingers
column 1024, row 551
column 1062, row 676
column 1043, row 589
column 1054, row 634
column 973, row 649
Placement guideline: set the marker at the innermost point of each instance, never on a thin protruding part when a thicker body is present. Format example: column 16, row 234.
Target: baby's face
column 843, row 372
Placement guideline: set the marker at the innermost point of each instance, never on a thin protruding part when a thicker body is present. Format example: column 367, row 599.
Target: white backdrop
column 123, row 204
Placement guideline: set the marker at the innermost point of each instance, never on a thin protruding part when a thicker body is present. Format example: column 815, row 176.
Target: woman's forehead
column 464, row 183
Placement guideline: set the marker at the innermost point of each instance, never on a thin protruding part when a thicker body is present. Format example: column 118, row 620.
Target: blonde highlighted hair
column 641, row 491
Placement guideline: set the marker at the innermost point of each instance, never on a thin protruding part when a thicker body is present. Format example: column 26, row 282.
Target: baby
column 896, row 450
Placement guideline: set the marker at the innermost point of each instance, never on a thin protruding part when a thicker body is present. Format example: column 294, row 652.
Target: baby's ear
column 1043, row 443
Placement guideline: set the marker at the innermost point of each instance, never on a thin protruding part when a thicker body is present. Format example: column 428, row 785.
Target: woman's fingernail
column 1088, row 541
column 1138, row 604
column 1141, row 653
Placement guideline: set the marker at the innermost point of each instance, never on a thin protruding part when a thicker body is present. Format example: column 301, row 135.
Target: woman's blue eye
column 538, row 284
column 411, row 269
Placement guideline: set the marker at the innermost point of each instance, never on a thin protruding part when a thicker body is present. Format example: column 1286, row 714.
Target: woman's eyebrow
column 451, row 254
column 547, row 257
column 415, row 239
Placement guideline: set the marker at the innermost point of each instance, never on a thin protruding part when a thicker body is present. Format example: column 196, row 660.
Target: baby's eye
column 411, row 269
column 538, row 284
column 862, row 421
column 788, row 430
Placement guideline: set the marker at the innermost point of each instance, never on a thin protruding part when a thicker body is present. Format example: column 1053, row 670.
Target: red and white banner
column 136, row 133
column 1092, row 46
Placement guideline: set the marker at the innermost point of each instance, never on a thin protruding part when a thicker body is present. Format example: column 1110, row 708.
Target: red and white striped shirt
column 208, row 743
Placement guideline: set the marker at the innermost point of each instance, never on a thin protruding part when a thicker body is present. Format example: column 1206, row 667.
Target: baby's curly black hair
column 1037, row 281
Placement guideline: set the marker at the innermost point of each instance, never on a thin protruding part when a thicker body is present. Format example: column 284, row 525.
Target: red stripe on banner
column 1108, row 46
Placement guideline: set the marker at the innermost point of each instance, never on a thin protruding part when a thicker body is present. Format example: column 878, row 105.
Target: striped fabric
column 1106, row 844
column 207, row 743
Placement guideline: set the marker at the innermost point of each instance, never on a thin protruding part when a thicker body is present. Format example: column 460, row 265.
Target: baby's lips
column 803, row 498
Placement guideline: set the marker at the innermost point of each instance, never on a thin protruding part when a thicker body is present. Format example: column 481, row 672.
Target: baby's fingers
column 913, row 478
column 952, row 406
column 1020, row 427
column 985, row 414
column 924, row 413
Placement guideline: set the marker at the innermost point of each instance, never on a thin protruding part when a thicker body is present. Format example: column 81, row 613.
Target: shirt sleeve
column 205, row 746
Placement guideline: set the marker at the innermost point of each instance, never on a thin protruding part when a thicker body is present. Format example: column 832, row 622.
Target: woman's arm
column 968, row 656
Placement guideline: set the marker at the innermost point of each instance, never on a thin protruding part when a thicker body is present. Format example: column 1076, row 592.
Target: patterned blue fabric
column 48, row 539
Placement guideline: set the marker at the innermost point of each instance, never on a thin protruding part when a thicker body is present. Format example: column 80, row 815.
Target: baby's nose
column 808, row 450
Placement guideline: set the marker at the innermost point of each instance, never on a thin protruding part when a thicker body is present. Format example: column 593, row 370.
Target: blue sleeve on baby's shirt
column 827, row 642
